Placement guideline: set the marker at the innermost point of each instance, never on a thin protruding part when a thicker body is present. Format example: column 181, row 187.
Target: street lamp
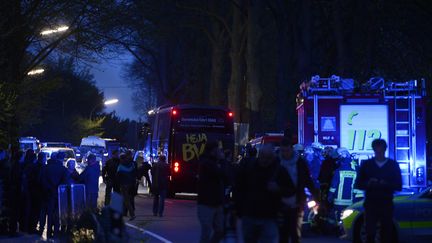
column 111, row 102
column 61, row 28
column 36, row 71
column 106, row 103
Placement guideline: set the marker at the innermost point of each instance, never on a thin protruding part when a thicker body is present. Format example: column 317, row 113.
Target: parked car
column 412, row 218
column 69, row 153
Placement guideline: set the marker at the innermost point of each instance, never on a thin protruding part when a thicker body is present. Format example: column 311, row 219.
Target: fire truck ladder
column 405, row 122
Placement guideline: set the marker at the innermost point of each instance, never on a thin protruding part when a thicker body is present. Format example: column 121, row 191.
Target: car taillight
column 176, row 167
column 230, row 114
column 174, row 112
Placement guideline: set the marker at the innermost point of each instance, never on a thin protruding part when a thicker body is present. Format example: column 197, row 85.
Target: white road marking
column 146, row 232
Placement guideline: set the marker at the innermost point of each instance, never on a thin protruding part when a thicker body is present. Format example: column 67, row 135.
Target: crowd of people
column 29, row 182
column 270, row 189
column 267, row 189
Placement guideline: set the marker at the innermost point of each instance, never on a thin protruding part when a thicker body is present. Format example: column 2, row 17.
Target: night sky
column 109, row 77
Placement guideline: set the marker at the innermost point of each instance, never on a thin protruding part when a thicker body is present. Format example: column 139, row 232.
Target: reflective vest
column 341, row 187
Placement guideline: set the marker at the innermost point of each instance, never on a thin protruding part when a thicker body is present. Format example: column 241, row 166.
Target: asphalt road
column 180, row 223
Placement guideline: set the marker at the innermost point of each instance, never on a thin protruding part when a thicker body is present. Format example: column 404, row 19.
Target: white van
column 29, row 143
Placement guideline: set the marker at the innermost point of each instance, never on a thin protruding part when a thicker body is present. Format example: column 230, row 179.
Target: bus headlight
column 346, row 213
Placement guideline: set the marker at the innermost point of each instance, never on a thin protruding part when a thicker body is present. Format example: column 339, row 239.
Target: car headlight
column 346, row 213
column 311, row 204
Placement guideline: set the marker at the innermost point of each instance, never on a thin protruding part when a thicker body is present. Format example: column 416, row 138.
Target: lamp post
column 106, row 103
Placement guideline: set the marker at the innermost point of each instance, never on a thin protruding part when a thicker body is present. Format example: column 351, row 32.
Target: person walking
column 160, row 174
column 90, row 178
column 28, row 179
column 126, row 176
column 109, row 176
column 211, row 176
column 293, row 206
column 52, row 176
column 380, row 177
column 144, row 168
column 264, row 182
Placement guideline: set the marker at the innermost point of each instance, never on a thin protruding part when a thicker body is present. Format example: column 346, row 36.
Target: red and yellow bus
column 181, row 132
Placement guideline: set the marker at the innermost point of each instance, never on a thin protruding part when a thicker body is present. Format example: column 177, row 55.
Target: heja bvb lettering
column 194, row 146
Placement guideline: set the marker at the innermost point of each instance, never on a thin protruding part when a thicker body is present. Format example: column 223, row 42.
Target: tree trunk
column 216, row 81
column 236, row 55
column 253, row 89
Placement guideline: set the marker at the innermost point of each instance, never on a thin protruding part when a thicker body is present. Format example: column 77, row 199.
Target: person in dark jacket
column 160, row 174
column 126, row 177
column 71, row 167
column 211, row 176
column 52, row 175
column 380, row 177
column 28, row 179
column 35, row 192
column 109, row 175
column 90, row 178
column 144, row 168
column 4, row 184
column 300, row 177
column 261, row 184
column 14, row 190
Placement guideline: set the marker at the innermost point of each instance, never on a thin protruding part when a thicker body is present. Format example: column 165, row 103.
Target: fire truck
column 336, row 112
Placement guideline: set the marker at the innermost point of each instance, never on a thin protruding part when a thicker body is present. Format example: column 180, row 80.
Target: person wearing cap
column 341, row 187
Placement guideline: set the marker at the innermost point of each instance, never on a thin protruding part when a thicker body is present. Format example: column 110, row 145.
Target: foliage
column 286, row 43
column 7, row 101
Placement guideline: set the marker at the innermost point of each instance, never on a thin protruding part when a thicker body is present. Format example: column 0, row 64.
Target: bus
column 180, row 132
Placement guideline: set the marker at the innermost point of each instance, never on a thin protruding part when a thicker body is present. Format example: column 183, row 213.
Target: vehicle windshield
column 25, row 146
column 93, row 149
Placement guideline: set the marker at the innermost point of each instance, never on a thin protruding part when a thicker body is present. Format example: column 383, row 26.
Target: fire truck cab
column 336, row 112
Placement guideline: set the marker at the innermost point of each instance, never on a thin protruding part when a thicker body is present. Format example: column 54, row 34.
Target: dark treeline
column 249, row 55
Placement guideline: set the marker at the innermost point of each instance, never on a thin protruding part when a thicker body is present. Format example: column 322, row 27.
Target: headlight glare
column 346, row 213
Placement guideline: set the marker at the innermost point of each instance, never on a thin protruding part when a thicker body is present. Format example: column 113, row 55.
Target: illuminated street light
column 106, row 103
column 36, row 71
column 111, row 102
column 52, row 31
column 151, row 112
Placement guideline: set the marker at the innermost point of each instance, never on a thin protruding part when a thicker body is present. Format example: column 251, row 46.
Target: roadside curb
column 146, row 232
